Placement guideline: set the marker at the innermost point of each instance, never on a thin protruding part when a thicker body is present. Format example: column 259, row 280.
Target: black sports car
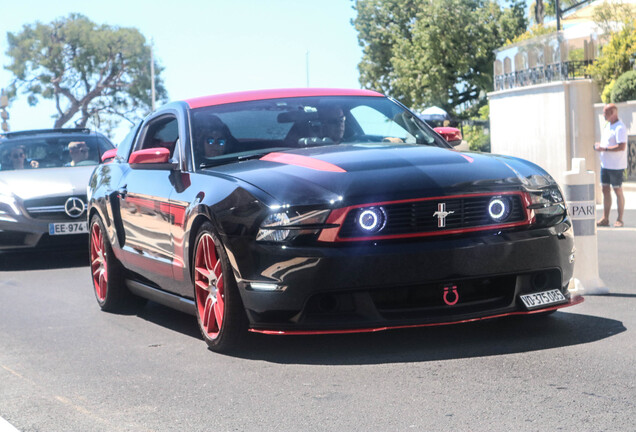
column 306, row 211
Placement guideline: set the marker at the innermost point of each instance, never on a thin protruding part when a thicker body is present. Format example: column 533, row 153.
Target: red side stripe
column 303, row 161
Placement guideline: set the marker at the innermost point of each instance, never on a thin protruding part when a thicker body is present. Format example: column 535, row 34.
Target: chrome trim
column 47, row 209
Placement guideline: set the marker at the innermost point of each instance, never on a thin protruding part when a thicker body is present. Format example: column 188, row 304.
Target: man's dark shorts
column 612, row 177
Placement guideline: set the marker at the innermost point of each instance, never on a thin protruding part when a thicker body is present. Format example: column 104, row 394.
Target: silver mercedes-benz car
column 43, row 180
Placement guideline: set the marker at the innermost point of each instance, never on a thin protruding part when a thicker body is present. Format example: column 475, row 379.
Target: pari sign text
column 582, row 210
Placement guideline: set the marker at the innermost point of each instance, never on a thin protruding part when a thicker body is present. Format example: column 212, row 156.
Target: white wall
column 547, row 124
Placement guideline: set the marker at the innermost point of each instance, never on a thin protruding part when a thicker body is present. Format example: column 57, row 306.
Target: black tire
column 219, row 309
column 107, row 272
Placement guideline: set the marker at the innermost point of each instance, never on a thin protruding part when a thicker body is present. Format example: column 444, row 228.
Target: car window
column 375, row 124
column 161, row 132
column 226, row 132
column 52, row 151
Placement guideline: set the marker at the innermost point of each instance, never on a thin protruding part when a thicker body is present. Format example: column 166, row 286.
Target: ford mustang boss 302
column 306, row 211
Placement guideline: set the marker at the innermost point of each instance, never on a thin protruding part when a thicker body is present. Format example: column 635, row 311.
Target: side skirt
column 162, row 297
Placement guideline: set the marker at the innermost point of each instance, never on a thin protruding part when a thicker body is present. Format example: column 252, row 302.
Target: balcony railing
column 563, row 71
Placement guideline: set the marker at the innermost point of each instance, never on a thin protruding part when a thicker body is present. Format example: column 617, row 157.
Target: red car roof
column 274, row 94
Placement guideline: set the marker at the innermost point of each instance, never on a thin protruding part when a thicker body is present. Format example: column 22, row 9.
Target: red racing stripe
column 303, row 161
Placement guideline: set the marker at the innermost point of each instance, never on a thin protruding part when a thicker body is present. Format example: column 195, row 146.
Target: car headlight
column 499, row 208
column 8, row 203
column 371, row 219
column 548, row 205
column 287, row 225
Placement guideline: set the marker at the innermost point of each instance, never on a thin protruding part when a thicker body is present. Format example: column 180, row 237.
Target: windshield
column 229, row 132
column 40, row 152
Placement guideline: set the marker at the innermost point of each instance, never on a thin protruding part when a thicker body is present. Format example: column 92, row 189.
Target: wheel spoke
column 211, row 326
column 210, row 254
column 203, row 272
column 218, row 312
column 99, row 267
column 101, row 285
column 208, row 284
column 218, row 269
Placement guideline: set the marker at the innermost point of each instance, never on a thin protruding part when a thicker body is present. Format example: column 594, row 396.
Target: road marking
column 5, row 426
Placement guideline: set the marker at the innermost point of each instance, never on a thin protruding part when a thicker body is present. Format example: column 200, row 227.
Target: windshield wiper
column 237, row 158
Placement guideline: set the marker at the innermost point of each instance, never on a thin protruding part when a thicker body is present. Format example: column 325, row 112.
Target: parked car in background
column 43, row 179
column 305, row 211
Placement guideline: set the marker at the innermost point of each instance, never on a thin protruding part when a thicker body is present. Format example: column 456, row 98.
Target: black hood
column 374, row 172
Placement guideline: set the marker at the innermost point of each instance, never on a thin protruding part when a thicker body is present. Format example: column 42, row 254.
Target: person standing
column 613, row 150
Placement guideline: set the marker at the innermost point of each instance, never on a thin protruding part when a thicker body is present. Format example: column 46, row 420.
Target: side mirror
column 109, row 155
column 158, row 155
column 452, row 135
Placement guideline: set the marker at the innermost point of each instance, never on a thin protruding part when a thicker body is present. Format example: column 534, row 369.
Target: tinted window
column 53, row 151
column 227, row 132
column 161, row 132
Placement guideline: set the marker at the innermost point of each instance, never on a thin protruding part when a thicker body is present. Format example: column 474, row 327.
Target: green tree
column 607, row 15
column 624, row 88
column 95, row 73
column 617, row 56
column 433, row 52
column 475, row 135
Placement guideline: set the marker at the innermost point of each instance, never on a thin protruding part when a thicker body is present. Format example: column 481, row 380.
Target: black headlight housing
column 547, row 205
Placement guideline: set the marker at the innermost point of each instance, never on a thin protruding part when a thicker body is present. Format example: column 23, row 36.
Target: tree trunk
column 539, row 11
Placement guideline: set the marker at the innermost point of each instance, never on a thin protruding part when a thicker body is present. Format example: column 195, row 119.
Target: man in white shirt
column 613, row 149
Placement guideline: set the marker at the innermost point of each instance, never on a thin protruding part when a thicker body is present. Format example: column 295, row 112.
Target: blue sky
column 212, row 46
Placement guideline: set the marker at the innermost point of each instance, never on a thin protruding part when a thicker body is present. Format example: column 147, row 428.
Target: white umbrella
column 434, row 113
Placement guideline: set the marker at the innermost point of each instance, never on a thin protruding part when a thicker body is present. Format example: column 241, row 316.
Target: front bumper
column 24, row 232
column 376, row 285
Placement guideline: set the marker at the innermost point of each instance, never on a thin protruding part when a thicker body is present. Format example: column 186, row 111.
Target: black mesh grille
column 418, row 216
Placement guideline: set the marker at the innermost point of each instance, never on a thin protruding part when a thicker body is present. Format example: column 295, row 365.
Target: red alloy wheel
column 99, row 267
column 208, row 285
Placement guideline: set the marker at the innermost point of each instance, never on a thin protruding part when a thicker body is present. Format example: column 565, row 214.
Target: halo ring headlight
column 499, row 208
column 371, row 219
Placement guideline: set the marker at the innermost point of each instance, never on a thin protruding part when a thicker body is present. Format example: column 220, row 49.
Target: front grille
column 50, row 208
column 417, row 216
column 473, row 295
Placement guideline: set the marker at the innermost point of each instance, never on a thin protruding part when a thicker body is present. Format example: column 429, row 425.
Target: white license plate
column 65, row 228
column 544, row 298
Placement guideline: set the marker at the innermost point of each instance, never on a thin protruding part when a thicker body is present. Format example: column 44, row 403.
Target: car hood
column 43, row 182
column 376, row 172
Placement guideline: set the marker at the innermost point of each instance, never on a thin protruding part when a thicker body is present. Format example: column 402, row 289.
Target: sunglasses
column 79, row 150
column 17, row 155
column 217, row 141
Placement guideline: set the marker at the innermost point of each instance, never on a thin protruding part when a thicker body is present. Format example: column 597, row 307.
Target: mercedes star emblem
column 74, row 207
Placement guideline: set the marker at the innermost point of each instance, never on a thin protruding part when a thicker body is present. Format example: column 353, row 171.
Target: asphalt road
column 66, row 366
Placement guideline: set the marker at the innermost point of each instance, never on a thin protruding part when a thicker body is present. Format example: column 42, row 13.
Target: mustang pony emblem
column 441, row 214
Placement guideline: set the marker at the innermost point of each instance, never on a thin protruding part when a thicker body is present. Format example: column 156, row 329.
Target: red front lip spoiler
column 574, row 301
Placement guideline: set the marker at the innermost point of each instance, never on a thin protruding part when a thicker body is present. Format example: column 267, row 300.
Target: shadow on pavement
column 493, row 337
column 171, row 319
column 43, row 260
